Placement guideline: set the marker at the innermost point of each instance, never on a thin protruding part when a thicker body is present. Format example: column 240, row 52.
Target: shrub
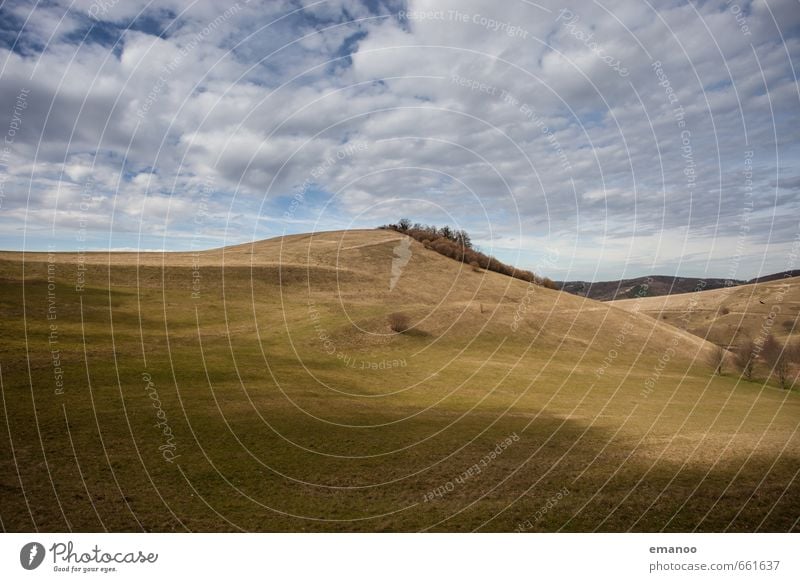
column 475, row 266
column 724, row 311
column 457, row 245
column 399, row 322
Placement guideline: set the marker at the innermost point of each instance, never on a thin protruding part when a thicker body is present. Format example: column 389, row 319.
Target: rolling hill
column 657, row 285
column 261, row 387
column 726, row 316
column 652, row 286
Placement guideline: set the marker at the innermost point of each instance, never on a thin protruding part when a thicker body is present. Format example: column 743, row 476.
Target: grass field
column 260, row 387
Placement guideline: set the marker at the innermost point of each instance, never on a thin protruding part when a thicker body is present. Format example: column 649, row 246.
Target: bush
column 475, row 266
column 399, row 322
column 724, row 311
column 457, row 245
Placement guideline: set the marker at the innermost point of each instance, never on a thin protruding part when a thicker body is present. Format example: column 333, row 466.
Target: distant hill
column 652, row 286
column 726, row 316
column 775, row 277
column 658, row 285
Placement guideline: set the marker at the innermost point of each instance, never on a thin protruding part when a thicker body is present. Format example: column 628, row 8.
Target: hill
column 657, row 285
column 726, row 316
column 775, row 276
column 261, row 387
column 651, row 286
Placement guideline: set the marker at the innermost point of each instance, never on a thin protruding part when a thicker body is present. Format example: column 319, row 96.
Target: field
column 261, row 388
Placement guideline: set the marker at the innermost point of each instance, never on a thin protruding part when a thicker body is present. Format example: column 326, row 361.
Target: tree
column 446, row 232
column 404, row 224
column 744, row 357
column 463, row 239
column 778, row 358
column 716, row 358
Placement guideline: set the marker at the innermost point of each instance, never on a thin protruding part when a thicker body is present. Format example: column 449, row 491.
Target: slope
column 726, row 316
column 261, row 387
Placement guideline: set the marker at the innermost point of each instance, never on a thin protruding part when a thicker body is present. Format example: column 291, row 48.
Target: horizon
column 206, row 249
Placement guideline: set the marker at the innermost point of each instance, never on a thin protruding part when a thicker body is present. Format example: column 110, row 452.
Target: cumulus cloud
column 633, row 137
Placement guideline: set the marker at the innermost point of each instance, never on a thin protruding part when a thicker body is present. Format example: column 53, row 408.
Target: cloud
column 599, row 129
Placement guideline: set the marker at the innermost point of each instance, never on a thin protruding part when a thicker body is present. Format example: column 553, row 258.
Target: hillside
column 261, row 387
column 726, row 316
column 775, row 276
column 657, row 285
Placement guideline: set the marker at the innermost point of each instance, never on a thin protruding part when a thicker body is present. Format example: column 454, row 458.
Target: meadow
column 261, row 388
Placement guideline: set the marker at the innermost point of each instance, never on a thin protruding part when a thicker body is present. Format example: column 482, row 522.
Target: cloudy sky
column 622, row 137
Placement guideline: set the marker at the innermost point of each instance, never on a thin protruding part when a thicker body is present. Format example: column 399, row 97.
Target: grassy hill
column 261, row 387
column 727, row 316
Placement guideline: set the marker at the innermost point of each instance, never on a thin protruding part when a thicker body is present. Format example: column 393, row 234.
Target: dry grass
column 729, row 316
column 295, row 409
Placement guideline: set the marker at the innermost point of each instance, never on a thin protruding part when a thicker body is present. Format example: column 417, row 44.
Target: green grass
column 275, row 434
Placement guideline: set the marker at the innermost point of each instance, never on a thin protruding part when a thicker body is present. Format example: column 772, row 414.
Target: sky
column 591, row 141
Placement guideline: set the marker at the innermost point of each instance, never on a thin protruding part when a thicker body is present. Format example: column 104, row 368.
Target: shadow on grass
column 286, row 472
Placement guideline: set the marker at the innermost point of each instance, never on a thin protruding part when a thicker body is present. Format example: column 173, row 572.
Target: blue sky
column 625, row 138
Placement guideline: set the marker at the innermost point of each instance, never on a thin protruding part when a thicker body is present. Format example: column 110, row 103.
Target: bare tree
column 778, row 358
column 404, row 224
column 744, row 357
column 716, row 359
column 463, row 239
